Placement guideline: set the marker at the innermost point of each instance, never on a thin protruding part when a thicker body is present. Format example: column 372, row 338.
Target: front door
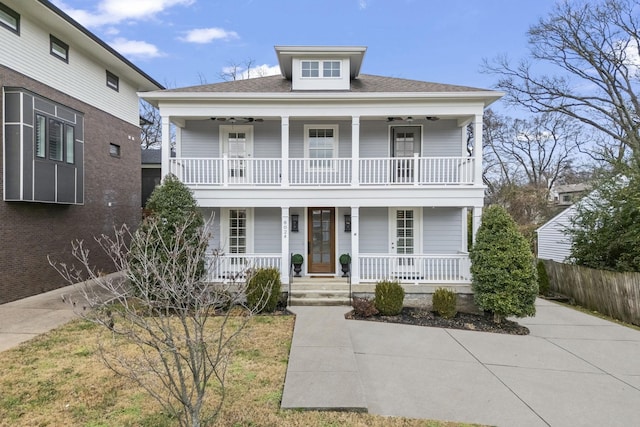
column 321, row 252
column 405, row 242
column 238, row 146
column 405, row 142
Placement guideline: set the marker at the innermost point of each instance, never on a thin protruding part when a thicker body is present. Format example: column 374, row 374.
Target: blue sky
column 187, row 42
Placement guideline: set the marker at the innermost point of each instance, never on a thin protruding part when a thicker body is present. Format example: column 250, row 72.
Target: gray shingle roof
column 151, row 156
column 364, row 83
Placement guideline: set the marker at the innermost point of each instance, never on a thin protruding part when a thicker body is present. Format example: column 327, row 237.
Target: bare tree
column 179, row 325
column 150, row 126
column 595, row 49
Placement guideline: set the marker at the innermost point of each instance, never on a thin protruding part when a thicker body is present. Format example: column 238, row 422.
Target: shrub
column 504, row 277
column 389, row 298
column 345, row 259
column 263, row 290
column 444, row 303
column 172, row 212
column 543, row 278
column 297, row 259
column 363, row 307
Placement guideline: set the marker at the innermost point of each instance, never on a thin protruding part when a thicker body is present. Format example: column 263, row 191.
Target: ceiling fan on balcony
column 400, row 119
column 238, row 120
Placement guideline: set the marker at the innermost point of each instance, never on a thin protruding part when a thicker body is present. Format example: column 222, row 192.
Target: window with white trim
column 321, row 144
column 10, row 19
column 323, row 69
column 331, row 69
column 310, row 69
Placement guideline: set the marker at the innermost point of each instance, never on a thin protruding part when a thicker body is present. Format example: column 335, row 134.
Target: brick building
column 70, row 134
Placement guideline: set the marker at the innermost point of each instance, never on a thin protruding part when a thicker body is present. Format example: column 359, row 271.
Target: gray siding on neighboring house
column 553, row 243
column 267, row 226
column 374, row 230
column 441, row 230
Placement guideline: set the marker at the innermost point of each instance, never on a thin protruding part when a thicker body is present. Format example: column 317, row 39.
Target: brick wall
column 31, row 231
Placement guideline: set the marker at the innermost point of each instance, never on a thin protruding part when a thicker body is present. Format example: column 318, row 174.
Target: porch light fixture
column 347, row 223
column 294, row 223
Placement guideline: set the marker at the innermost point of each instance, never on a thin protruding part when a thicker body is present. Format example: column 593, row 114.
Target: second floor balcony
column 345, row 172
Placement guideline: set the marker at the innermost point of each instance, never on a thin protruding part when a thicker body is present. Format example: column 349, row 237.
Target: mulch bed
column 466, row 321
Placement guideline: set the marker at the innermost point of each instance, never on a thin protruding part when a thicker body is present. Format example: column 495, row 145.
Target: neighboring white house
column 323, row 160
column 553, row 243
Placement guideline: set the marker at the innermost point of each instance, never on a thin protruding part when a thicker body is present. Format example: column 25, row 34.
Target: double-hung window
column 54, row 140
column 321, row 145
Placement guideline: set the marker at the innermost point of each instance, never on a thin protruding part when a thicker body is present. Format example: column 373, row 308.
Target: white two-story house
column 323, row 160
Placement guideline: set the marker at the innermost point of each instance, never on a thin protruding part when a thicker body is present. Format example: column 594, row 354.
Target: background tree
column 502, row 267
column 524, row 158
column 606, row 228
column 592, row 49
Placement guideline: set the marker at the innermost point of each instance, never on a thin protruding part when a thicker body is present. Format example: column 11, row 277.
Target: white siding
column 374, row 230
column 374, row 139
column 442, row 233
column 81, row 78
column 200, row 138
column 344, row 238
column 214, row 215
column 442, row 138
column 553, row 243
column 267, row 237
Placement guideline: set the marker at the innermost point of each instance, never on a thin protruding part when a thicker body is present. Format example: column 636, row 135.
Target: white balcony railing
column 320, row 172
column 233, row 267
column 415, row 268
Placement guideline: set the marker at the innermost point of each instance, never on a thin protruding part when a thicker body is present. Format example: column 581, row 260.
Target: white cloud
column 207, row 35
column 135, row 48
column 362, row 4
column 109, row 12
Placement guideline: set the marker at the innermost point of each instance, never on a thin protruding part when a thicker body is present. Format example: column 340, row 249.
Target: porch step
column 320, row 291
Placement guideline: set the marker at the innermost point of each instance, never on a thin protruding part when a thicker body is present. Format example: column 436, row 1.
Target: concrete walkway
column 572, row 370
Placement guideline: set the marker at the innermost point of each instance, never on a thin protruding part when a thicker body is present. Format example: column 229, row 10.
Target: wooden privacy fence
column 614, row 294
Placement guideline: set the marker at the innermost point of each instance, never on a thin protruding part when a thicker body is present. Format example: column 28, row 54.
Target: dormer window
column 331, row 69
column 324, row 69
column 310, row 69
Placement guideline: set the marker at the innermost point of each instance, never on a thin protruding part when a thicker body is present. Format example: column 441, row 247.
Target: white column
column 284, row 131
column 355, row 151
column 284, row 269
column 166, row 146
column 476, row 220
column 355, row 245
column 477, row 148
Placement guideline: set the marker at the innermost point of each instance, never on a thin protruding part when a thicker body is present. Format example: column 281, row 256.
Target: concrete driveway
column 572, row 370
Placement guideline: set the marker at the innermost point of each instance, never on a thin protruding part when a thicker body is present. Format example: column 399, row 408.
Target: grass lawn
column 57, row 379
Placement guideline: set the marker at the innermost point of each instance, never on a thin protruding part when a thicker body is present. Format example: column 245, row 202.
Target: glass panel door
column 321, row 253
column 404, row 144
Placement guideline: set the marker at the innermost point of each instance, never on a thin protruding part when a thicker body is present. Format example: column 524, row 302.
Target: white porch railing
column 233, row 267
column 373, row 171
column 320, row 171
column 415, row 268
column 417, row 170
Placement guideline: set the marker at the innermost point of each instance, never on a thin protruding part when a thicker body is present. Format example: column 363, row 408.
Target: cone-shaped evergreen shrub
column 543, row 278
column 503, row 267
column 263, row 290
column 171, row 205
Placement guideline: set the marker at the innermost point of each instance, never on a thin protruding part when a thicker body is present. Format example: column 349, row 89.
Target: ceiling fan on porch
column 239, row 120
column 400, row 119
